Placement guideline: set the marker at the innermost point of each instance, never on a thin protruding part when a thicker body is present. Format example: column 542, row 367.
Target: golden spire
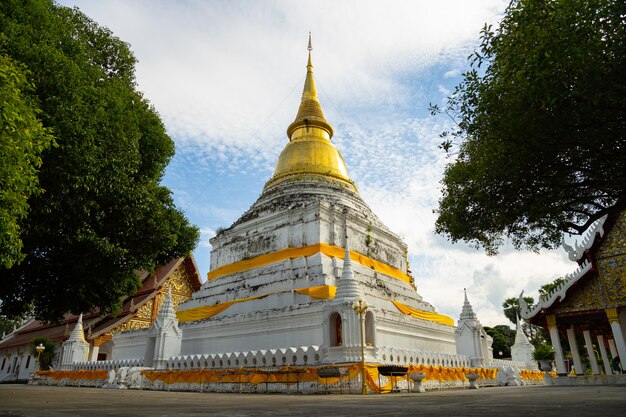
column 309, row 155
column 310, row 111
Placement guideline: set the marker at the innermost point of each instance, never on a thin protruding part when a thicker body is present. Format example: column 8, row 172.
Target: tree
column 103, row 214
column 546, row 289
column 511, row 308
column 22, row 140
column 47, row 356
column 541, row 127
column 503, row 338
column 535, row 334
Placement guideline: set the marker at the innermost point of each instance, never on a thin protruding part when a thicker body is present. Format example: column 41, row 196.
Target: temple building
column 307, row 285
column 138, row 311
column 591, row 302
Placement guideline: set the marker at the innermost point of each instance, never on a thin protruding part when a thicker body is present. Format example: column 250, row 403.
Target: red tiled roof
column 102, row 324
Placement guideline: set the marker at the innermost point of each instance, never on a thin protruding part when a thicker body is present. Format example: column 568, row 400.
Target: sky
column 226, row 78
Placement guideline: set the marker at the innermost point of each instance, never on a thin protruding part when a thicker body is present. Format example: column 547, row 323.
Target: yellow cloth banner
column 323, row 292
column 83, row 375
column 291, row 375
column 200, row 313
column 425, row 315
column 532, row 375
column 290, row 253
column 284, row 375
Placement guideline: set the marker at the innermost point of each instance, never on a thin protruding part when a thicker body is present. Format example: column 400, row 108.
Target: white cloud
column 230, row 73
column 206, row 234
column 452, row 73
column 398, row 168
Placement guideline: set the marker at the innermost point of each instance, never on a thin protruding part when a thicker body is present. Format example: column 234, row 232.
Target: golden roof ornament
column 310, row 155
column 310, row 112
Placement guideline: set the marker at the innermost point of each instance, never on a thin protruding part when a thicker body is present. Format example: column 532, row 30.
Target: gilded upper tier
column 310, row 155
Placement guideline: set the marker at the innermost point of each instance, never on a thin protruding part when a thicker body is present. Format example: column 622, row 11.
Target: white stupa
column 278, row 278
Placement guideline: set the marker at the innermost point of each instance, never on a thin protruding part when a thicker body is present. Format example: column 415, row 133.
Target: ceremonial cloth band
column 291, row 253
column 323, row 292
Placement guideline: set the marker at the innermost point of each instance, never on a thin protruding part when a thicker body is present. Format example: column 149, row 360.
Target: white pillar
column 573, row 347
column 612, row 348
column 93, row 354
column 559, row 360
column 618, row 336
column 605, row 358
column 590, row 352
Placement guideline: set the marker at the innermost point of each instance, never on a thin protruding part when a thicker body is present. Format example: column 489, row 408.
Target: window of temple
column 336, row 338
column 28, row 362
column 369, row 329
column 3, row 362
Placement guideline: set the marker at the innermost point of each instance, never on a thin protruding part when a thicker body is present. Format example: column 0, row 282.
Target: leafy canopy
column 547, row 289
column 22, row 140
column 102, row 214
column 503, row 338
column 541, row 127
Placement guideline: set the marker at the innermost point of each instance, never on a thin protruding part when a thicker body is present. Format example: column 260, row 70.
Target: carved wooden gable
column 611, row 263
column 585, row 296
column 606, row 286
column 181, row 285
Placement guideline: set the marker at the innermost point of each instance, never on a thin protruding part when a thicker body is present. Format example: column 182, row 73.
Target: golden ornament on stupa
column 310, row 155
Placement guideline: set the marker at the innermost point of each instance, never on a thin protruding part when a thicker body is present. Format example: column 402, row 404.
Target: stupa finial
column 78, row 333
column 309, row 153
column 467, row 313
column 310, row 112
column 348, row 288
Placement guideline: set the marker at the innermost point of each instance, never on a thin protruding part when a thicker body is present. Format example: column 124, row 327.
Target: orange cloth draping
column 531, row 375
column 285, row 375
column 434, row 373
column 291, row 253
column 289, row 375
column 426, row 315
column 205, row 312
column 82, row 375
column 323, row 292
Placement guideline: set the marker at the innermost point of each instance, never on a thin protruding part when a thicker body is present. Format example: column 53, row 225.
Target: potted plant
column 544, row 354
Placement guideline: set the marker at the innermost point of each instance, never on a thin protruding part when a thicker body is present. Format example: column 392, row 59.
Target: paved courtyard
column 25, row 400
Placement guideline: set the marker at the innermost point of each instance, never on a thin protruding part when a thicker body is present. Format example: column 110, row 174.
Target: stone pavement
column 532, row 401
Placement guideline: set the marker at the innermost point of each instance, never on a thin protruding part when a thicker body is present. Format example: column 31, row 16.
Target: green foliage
column 103, row 214
column 511, row 307
column 543, row 352
column 503, row 338
column 546, row 289
column 47, row 356
column 8, row 324
column 22, row 140
column 541, row 127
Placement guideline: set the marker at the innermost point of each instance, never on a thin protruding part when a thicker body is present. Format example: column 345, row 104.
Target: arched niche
column 370, row 329
column 335, row 329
